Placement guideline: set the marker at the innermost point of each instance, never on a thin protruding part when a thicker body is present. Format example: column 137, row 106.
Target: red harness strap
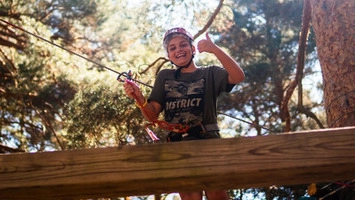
column 179, row 128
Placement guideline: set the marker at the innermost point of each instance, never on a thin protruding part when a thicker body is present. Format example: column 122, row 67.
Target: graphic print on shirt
column 184, row 101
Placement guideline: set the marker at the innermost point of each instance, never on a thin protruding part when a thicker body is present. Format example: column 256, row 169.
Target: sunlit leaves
column 264, row 39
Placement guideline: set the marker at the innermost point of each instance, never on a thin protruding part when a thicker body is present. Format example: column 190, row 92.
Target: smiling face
column 180, row 50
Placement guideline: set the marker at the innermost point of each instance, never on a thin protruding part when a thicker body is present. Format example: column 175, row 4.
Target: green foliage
column 101, row 116
column 34, row 91
column 91, row 114
column 31, row 102
column 264, row 39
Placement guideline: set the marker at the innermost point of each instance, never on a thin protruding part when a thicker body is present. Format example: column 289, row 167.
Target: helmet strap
column 178, row 71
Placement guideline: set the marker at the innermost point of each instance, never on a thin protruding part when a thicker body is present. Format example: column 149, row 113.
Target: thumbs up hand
column 206, row 45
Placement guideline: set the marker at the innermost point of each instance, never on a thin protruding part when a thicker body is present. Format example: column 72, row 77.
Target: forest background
column 53, row 100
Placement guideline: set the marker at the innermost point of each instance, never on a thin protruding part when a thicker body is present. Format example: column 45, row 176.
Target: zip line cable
column 72, row 52
column 252, row 124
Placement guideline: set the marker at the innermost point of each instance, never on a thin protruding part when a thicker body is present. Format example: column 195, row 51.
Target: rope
column 250, row 123
column 178, row 128
column 348, row 184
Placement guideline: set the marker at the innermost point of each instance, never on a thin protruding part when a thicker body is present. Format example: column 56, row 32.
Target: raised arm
column 236, row 74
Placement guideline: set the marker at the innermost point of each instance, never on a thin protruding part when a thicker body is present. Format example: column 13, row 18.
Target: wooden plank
column 285, row 159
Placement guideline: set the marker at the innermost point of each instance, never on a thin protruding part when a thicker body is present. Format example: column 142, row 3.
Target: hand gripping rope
column 178, row 128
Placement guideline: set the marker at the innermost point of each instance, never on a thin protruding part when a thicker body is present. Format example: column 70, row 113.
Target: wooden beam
column 285, row 159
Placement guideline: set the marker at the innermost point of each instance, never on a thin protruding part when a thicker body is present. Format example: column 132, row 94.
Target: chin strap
column 177, row 72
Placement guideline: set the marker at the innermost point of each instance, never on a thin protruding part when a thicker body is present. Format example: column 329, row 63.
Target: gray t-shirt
column 191, row 98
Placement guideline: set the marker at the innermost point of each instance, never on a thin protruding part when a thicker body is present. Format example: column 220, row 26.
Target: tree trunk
column 333, row 22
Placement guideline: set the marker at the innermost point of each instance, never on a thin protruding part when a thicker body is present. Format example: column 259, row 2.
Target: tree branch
column 210, row 21
column 6, row 149
column 299, row 72
column 160, row 65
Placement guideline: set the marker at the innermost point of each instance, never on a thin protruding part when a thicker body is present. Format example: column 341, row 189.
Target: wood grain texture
column 285, row 159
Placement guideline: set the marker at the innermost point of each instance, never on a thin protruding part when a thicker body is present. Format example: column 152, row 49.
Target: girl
column 188, row 94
